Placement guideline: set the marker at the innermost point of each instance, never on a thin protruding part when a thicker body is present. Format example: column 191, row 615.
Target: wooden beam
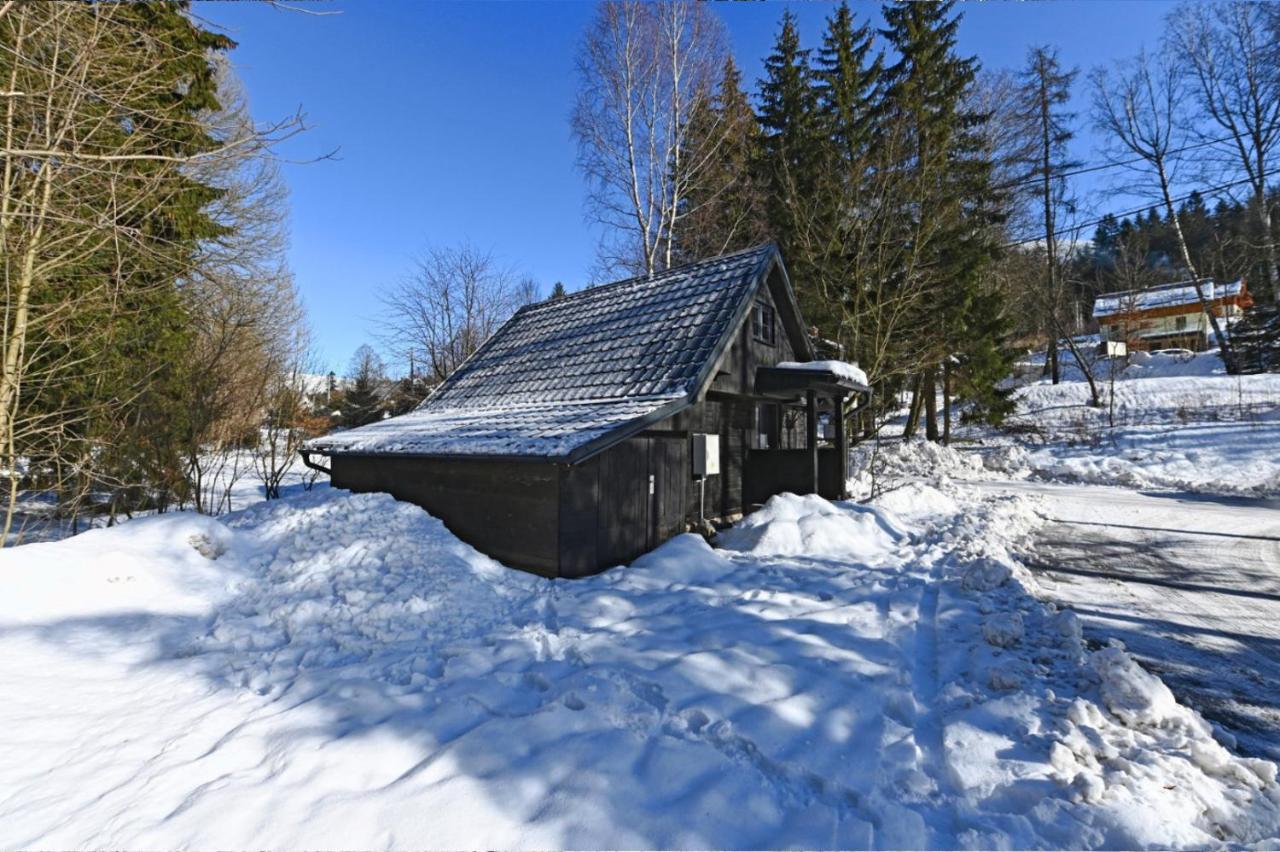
column 842, row 459
column 811, row 407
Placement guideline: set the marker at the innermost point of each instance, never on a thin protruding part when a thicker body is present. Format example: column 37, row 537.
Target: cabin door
column 669, row 467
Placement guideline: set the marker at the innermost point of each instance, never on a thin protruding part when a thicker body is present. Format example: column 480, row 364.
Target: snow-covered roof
column 1164, row 296
column 562, row 374
column 845, row 370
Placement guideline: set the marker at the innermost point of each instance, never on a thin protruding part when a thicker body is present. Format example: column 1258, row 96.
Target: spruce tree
column 846, row 82
column 791, row 149
column 724, row 208
column 953, row 204
column 847, row 79
column 130, row 419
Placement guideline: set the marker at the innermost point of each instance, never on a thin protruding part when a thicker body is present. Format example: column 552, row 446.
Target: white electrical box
column 706, row 455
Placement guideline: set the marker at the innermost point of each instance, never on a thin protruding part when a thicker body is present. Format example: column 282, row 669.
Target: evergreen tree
column 791, row 148
column 724, row 209
column 847, row 80
column 953, row 204
column 132, row 345
column 364, row 400
column 557, row 290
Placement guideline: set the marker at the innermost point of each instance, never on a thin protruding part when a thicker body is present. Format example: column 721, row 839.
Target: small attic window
column 763, row 325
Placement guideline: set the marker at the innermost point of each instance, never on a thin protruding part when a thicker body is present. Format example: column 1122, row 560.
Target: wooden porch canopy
column 786, row 383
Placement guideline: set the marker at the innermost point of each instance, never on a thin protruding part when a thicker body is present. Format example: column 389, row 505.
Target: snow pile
column 338, row 670
column 917, row 503
column 1023, row 700
column 880, row 467
column 791, row 525
column 384, row 606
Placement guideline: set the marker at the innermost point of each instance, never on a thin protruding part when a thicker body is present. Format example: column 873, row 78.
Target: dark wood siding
column 509, row 510
column 670, row 461
column 736, row 371
column 771, row 472
column 579, row 518
column 623, row 526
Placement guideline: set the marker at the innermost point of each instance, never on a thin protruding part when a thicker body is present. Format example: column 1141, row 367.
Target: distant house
column 1168, row 316
column 592, row 427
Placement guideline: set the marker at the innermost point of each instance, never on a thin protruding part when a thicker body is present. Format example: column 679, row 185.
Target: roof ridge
column 595, row 400
column 640, row 279
column 1189, row 282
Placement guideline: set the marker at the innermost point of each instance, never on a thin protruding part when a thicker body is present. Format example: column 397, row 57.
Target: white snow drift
column 339, row 671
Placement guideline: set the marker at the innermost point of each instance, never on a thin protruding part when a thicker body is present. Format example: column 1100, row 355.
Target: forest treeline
column 927, row 208
column 152, row 339
column 153, row 348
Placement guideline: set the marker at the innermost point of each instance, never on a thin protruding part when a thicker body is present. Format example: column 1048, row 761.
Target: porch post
column 811, row 406
column 842, row 465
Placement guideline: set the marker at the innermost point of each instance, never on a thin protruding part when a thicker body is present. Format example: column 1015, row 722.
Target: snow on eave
column 844, row 369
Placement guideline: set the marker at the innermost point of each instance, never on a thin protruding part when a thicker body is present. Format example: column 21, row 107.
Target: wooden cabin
column 1168, row 316
column 591, row 428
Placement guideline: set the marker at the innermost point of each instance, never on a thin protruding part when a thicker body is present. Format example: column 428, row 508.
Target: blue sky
column 451, row 123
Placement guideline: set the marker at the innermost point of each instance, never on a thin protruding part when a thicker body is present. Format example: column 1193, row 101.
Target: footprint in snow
column 537, row 681
column 573, row 702
column 695, row 720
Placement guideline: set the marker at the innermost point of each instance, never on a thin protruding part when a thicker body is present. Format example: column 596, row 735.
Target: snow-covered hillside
column 339, row 671
column 1167, row 422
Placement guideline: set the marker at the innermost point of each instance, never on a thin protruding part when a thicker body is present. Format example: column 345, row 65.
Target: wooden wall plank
column 507, row 510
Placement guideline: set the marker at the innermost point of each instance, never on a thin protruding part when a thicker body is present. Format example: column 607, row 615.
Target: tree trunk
column 946, row 402
column 1228, row 359
column 1269, row 250
column 930, row 391
column 1050, row 239
column 913, row 413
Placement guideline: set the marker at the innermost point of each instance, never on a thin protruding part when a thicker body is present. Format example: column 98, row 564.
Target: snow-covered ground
column 1189, row 583
column 1167, row 422
column 232, row 484
column 338, row 671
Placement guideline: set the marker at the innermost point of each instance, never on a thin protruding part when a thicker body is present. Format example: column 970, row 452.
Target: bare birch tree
column 90, row 156
column 1230, row 55
column 1138, row 104
column 645, row 69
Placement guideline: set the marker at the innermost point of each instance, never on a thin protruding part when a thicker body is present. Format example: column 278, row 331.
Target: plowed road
column 1189, row 583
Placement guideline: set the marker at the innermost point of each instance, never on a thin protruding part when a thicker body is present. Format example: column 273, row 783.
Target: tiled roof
column 562, row 373
column 537, row 429
column 1166, row 295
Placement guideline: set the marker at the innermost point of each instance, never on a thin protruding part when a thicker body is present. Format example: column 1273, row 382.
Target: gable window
column 1180, row 323
column 764, row 324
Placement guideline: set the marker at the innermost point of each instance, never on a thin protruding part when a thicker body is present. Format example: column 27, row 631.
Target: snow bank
column 791, row 525
column 338, row 671
column 171, row 562
column 1212, row 434
column 1023, row 699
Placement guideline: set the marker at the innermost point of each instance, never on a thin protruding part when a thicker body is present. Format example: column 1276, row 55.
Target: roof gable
column 638, row 337
column 564, row 378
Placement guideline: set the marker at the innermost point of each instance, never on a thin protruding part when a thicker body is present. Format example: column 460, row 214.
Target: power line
column 1117, row 164
column 1145, row 207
